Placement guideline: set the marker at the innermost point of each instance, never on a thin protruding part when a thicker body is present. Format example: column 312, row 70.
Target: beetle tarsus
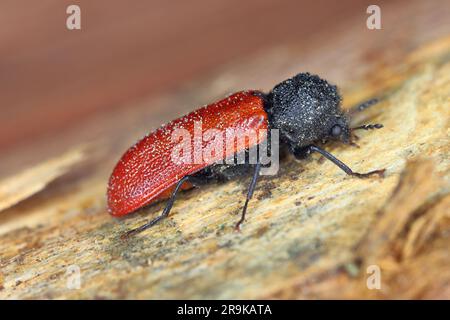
column 242, row 219
column 137, row 230
column 379, row 173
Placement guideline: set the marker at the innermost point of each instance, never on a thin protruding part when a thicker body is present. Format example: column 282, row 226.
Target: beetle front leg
column 343, row 166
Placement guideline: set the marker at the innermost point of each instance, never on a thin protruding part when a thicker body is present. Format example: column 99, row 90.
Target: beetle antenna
column 364, row 105
column 369, row 127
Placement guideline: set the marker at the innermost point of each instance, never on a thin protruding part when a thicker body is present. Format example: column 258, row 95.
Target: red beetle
column 305, row 109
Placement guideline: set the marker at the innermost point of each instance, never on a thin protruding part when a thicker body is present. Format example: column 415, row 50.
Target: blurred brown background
column 52, row 79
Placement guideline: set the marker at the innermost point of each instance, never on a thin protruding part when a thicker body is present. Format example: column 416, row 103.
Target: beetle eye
column 336, row 130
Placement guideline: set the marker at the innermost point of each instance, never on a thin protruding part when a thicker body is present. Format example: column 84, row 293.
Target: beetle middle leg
column 223, row 173
column 251, row 189
column 343, row 166
column 227, row 172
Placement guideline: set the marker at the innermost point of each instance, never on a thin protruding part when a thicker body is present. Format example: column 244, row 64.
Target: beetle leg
column 251, row 189
column 343, row 166
column 163, row 215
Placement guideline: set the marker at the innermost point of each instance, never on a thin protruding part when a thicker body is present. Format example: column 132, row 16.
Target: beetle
column 305, row 109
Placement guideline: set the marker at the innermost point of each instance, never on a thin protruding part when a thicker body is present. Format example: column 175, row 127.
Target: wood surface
column 311, row 231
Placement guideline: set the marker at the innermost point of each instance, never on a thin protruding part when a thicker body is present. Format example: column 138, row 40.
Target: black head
column 306, row 109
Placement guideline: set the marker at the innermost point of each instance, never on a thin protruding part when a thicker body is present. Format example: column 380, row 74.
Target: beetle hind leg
column 163, row 215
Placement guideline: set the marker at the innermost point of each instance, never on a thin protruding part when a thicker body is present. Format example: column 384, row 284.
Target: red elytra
column 146, row 172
